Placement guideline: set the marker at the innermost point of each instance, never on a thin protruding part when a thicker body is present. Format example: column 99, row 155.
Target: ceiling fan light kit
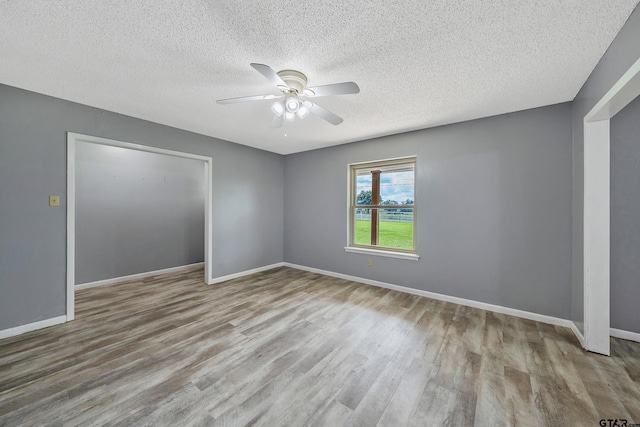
column 293, row 85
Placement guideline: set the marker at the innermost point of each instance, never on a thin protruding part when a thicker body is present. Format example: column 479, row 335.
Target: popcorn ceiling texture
column 418, row 63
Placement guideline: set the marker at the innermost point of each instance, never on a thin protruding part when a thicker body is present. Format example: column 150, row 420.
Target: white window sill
column 377, row 252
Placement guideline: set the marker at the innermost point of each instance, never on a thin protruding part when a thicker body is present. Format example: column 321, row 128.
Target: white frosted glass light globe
column 302, row 111
column 293, row 104
column 277, row 108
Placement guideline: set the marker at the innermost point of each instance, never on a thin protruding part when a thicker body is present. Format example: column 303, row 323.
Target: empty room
column 280, row 213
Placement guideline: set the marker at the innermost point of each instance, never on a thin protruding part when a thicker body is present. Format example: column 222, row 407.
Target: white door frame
column 596, row 214
column 72, row 139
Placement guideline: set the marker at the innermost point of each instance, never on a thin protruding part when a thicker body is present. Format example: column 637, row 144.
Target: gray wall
column 246, row 181
column 623, row 52
column 494, row 210
column 136, row 212
column 625, row 218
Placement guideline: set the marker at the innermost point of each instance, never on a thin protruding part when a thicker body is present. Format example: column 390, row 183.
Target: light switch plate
column 54, row 200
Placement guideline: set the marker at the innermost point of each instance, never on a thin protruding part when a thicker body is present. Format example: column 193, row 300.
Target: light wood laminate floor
column 293, row 348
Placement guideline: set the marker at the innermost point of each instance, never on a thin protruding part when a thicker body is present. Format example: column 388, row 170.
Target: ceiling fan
column 293, row 85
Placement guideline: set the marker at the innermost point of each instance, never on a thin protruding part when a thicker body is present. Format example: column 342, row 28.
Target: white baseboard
column 466, row 302
column 245, row 273
column 625, row 335
column 617, row 333
column 18, row 330
column 138, row 276
column 578, row 334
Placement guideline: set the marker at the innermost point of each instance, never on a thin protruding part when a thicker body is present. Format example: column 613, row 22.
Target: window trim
column 380, row 252
column 351, row 195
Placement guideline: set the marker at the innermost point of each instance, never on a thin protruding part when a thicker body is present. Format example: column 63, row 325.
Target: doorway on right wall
column 625, row 221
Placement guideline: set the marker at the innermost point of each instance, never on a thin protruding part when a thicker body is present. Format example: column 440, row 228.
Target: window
column 382, row 207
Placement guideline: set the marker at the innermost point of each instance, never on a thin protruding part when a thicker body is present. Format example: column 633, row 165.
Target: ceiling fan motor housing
column 296, row 81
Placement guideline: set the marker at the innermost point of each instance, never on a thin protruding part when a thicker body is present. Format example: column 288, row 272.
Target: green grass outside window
column 398, row 235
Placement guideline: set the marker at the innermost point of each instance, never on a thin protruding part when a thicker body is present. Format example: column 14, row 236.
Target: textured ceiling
column 418, row 63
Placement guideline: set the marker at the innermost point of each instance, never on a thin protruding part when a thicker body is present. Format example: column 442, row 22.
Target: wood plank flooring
column 293, row 348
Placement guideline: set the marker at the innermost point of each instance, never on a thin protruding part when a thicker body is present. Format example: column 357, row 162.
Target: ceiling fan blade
column 277, row 121
column 345, row 88
column 326, row 114
column 268, row 72
column 247, row 98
